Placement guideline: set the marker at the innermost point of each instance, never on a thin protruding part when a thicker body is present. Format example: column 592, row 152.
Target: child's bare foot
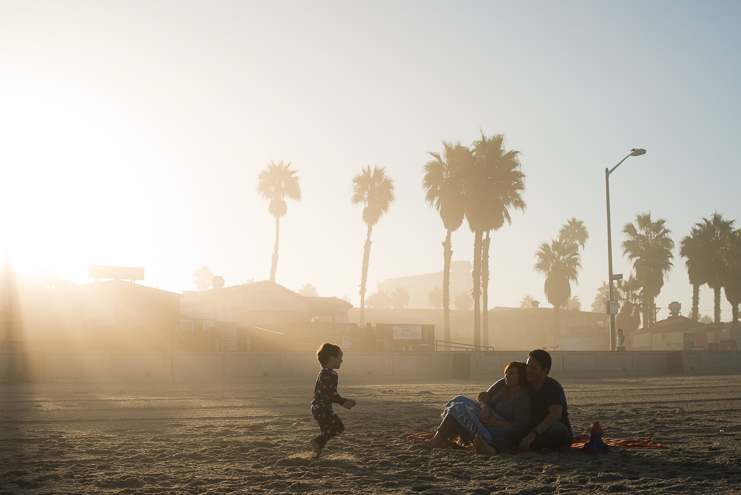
column 316, row 447
column 481, row 447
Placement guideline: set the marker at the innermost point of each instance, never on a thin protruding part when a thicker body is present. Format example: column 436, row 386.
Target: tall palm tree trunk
column 716, row 306
column 364, row 276
column 448, row 255
column 647, row 311
column 485, row 289
column 477, row 290
column 695, row 301
column 734, row 311
column 274, row 265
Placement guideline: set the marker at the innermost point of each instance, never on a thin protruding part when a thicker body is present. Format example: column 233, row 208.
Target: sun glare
column 78, row 173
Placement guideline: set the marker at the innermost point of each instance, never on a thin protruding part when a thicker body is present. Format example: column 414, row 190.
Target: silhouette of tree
column 400, row 298
column 444, row 189
column 714, row 232
column 599, row 305
column 308, row 290
column 575, row 232
column 649, row 246
column 527, row 302
column 346, row 298
column 574, row 304
column 629, row 296
column 494, row 185
column 203, row 277
column 463, row 301
column 375, row 190
column 732, row 276
column 249, row 281
column 559, row 262
column 691, row 247
column 275, row 183
column 435, row 297
column 380, row 299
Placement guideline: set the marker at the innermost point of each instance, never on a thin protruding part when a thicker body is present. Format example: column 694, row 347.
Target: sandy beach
column 253, row 438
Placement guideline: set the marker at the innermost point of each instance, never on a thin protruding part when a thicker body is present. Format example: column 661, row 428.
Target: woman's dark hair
column 327, row 351
column 521, row 372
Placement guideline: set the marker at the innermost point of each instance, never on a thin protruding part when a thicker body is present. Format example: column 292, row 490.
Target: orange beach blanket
column 619, row 444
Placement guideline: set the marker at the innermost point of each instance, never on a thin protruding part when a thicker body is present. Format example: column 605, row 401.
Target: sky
column 132, row 132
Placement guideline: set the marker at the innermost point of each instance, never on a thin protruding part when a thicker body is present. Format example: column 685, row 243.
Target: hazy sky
column 132, row 133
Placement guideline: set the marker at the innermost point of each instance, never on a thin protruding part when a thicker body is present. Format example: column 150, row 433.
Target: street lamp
column 610, row 309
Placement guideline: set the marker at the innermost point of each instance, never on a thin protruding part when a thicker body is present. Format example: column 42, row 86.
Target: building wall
column 418, row 286
column 162, row 366
column 107, row 314
column 509, row 328
column 249, row 307
column 523, row 329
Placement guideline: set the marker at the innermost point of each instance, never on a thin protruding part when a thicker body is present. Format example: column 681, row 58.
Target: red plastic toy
column 595, row 443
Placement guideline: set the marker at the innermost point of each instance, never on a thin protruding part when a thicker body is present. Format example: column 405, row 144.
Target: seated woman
column 491, row 421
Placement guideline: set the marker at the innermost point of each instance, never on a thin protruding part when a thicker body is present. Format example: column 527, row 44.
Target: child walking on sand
column 325, row 393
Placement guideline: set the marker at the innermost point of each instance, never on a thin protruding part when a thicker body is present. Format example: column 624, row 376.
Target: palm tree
column 691, row 247
column 435, row 297
column 400, row 298
column 574, row 304
column 559, row 262
column 599, row 305
column 375, row 190
column 732, row 275
column 275, row 183
column 629, row 295
column 575, row 232
column 203, row 277
column 649, row 246
column 714, row 232
column 444, row 189
column 463, row 301
column 527, row 302
column 308, row 290
column 494, row 185
column 380, row 299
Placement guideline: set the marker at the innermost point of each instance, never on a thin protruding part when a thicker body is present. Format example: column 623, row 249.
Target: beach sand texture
column 254, row 438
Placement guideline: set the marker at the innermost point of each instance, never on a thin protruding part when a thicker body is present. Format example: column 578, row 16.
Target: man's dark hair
column 327, row 351
column 543, row 359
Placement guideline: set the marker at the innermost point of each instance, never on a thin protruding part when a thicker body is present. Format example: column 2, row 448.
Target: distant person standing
column 369, row 340
column 549, row 422
column 620, row 340
column 326, row 394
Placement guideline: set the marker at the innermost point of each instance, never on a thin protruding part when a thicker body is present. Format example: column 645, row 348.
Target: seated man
column 549, row 421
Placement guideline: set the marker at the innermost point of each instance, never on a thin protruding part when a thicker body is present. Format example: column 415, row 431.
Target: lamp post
column 608, row 171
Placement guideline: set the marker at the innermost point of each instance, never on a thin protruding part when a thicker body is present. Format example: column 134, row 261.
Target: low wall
column 179, row 366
